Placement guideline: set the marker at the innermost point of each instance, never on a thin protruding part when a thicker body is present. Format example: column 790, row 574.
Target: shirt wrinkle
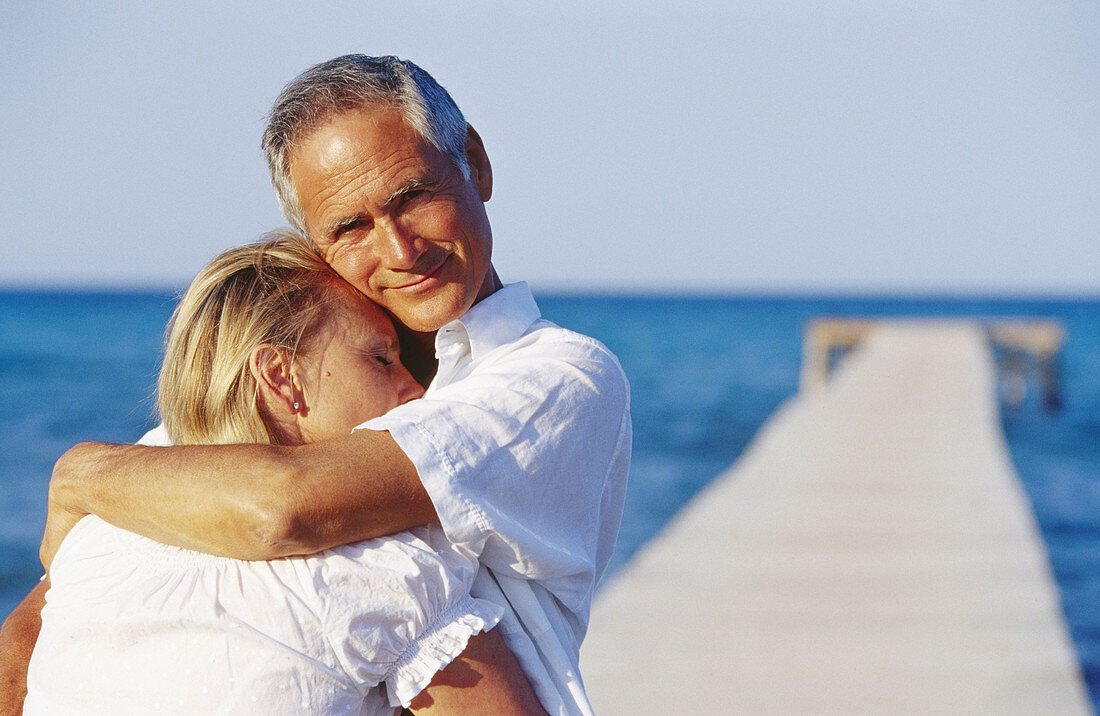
column 498, row 319
column 296, row 635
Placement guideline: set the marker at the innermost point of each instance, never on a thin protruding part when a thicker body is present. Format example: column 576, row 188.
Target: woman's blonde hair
column 276, row 291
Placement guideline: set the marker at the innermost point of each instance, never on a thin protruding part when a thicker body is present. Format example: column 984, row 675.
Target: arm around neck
column 244, row 501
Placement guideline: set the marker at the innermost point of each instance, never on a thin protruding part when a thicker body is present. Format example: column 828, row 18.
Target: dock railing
column 1027, row 353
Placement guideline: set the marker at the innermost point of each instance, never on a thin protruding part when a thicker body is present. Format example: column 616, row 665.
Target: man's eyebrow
column 407, row 186
column 333, row 227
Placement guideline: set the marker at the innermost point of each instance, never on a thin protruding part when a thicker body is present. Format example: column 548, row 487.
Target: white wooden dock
column 871, row 553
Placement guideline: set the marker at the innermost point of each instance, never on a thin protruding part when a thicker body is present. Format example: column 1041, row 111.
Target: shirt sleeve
column 525, row 459
column 395, row 611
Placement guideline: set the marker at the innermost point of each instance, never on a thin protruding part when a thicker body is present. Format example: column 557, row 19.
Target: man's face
column 395, row 218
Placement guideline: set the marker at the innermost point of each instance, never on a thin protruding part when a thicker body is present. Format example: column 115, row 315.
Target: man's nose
column 399, row 247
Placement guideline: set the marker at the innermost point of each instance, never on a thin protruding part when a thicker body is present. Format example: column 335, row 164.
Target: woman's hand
column 484, row 679
column 17, row 638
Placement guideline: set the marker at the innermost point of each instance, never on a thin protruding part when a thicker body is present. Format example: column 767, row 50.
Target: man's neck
column 418, row 348
column 489, row 286
column 418, row 353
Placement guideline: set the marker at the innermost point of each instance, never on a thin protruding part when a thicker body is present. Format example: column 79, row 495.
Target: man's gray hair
column 357, row 82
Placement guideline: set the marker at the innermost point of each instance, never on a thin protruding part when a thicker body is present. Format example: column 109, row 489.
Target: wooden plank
column 872, row 552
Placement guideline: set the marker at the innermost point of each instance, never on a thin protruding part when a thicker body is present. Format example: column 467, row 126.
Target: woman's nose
column 407, row 388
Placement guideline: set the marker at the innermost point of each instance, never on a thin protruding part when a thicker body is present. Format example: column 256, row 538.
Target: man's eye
column 413, row 196
column 351, row 226
column 384, row 360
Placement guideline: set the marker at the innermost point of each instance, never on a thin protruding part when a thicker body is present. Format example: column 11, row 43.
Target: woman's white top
column 134, row 626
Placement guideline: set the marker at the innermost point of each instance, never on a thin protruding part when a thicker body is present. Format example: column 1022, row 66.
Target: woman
column 269, row 345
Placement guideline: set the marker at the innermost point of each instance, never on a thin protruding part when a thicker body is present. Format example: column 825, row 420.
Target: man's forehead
column 356, row 155
column 343, row 131
column 329, row 152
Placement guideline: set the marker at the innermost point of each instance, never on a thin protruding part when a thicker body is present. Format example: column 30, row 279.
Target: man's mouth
column 423, row 281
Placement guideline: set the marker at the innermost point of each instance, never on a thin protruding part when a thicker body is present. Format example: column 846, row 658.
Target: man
column 521, row 444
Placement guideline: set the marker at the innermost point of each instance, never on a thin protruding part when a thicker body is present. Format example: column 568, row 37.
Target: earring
column 297, row 406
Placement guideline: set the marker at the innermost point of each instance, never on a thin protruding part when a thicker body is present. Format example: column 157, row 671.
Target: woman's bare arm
column 242, row 501
column 17, row 640
column 484, row 679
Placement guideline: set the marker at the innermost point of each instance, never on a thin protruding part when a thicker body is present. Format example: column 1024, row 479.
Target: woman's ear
column 276, row 380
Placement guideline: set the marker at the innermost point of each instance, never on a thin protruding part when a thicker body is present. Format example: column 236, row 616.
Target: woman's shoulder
column 92, row 540
column 421, row 554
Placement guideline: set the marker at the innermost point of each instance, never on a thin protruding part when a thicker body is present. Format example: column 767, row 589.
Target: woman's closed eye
column 379, row 356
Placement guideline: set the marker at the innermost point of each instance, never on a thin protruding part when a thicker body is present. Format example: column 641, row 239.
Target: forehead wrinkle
column 376, row 341
column 335, row 190
column 351, row 184
column 407, row 186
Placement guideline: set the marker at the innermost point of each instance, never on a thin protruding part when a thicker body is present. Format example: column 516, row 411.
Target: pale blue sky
column 854, row 146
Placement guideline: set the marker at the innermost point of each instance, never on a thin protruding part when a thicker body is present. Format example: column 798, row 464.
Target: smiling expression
column 395, row 218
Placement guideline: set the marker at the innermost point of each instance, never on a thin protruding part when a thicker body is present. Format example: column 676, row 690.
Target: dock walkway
column 871, row 553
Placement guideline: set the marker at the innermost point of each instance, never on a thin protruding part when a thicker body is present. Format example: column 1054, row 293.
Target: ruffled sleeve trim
column 440, row 644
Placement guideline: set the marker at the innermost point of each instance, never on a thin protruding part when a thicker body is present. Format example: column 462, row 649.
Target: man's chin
column 430, row 313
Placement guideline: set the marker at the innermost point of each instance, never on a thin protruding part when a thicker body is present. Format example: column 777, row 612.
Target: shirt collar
column 500, row 318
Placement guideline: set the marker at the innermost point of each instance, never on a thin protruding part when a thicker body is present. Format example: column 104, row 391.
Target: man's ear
column 272, row 369
column 480, row 169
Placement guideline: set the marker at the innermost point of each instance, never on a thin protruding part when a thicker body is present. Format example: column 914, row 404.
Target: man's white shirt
column 522, row 441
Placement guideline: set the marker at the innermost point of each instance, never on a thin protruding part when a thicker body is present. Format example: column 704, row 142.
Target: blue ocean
column 705, row 374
